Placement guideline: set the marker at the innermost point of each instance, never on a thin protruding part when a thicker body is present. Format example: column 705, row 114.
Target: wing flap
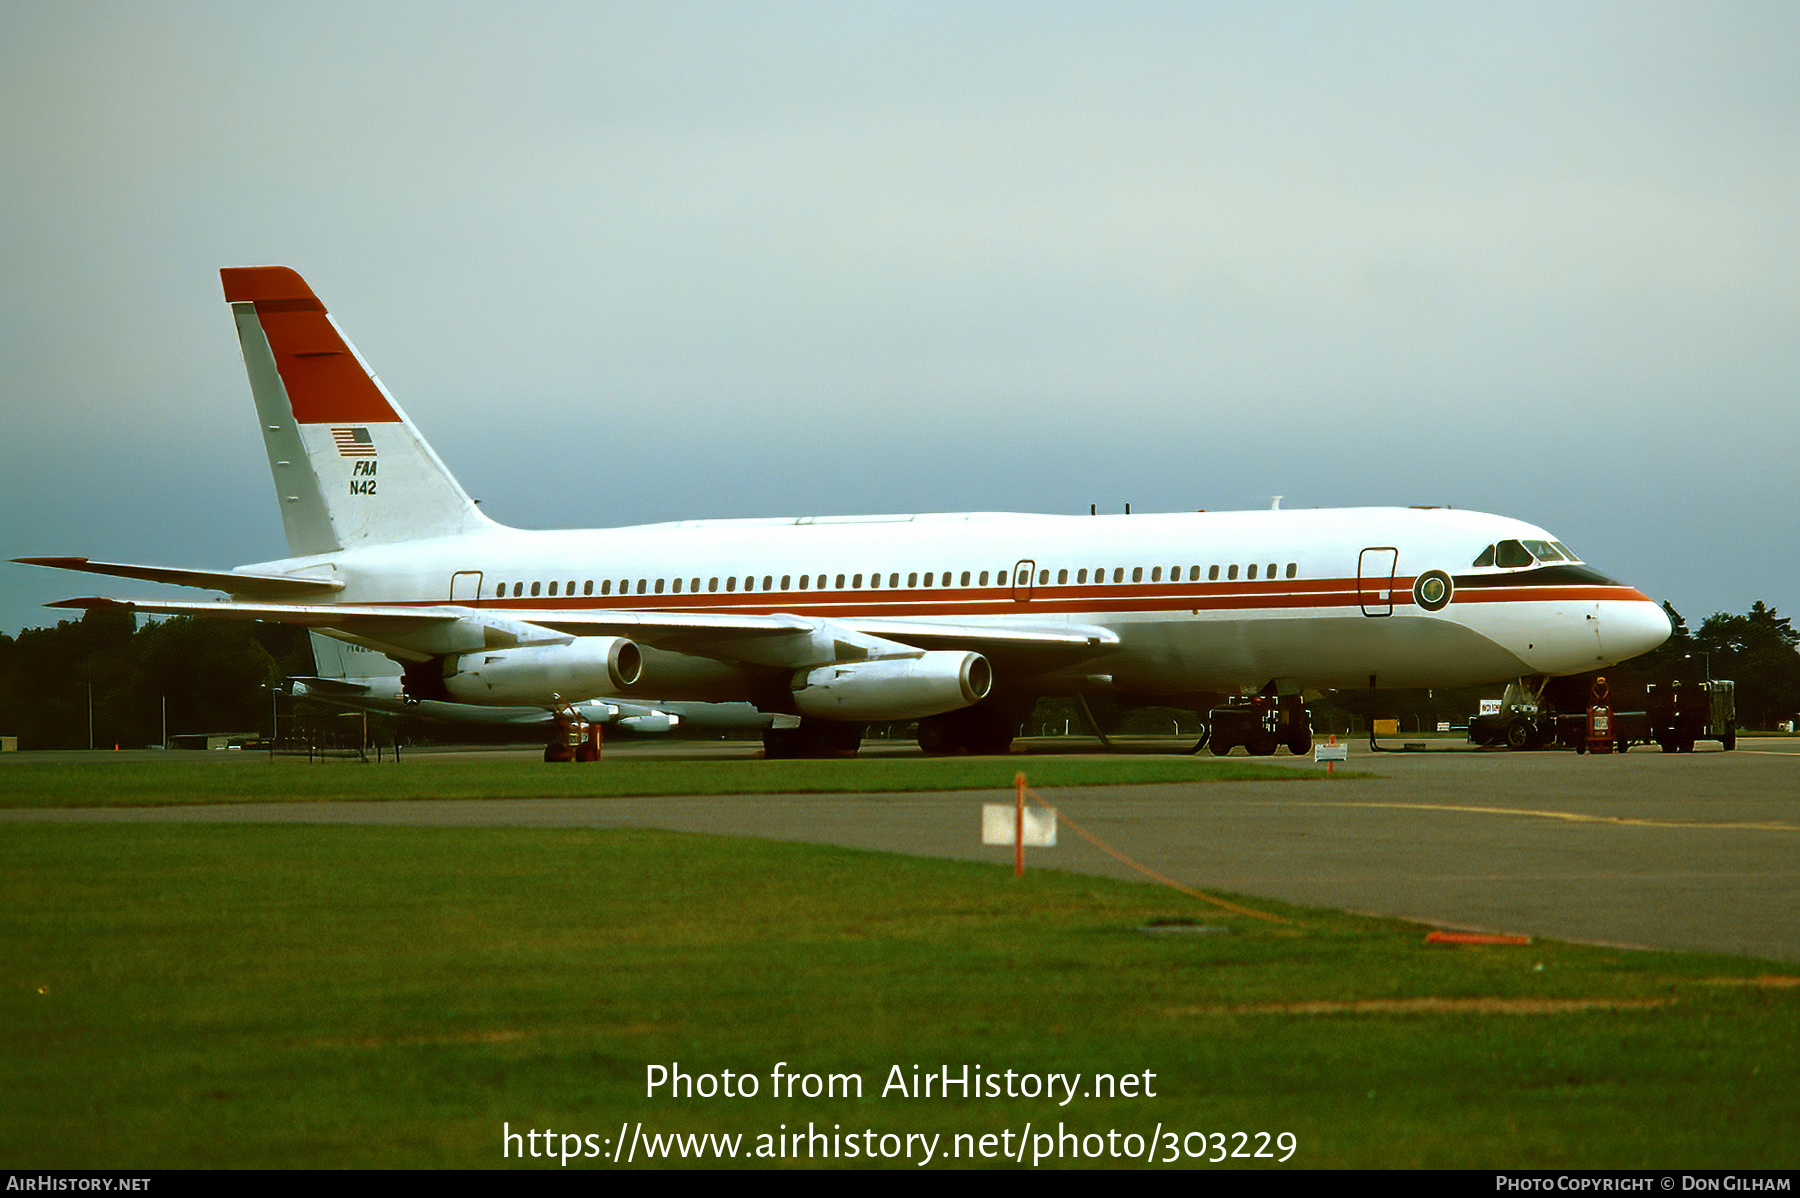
column 935, row 634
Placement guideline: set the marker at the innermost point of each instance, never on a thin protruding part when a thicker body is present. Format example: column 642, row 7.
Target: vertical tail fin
column 349, row 467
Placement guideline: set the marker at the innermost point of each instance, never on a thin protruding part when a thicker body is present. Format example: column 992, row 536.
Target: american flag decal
column 353, row 442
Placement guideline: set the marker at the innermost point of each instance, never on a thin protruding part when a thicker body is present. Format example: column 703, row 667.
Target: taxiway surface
column 1680, row 851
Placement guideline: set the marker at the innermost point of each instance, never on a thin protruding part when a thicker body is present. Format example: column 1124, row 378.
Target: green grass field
column 94, row 780
column 277, row 995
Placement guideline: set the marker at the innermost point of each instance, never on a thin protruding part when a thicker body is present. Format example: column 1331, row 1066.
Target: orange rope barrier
column 1147, row 871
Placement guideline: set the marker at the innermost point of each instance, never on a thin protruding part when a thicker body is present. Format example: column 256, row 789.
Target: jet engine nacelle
column 534, row 675
column 897, row 688
column 655, row 723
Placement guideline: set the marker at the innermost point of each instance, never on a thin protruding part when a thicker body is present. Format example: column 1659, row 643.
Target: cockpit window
column 1543, row 552
column 1508, row 554
column 1566, row 551
column 1486, row 558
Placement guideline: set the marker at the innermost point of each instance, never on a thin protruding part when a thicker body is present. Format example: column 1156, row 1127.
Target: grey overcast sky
column 632, row 262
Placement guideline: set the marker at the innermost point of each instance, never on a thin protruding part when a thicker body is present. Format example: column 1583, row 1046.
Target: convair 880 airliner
column 958, row 621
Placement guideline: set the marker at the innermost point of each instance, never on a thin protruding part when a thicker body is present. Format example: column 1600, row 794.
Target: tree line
column 208, row 675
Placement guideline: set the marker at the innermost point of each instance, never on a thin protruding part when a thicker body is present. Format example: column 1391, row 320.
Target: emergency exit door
column 465, row 586
column 1021, row 579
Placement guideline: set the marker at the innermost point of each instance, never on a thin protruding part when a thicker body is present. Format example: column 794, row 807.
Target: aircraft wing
column 755, row 638
column 267, row 586
column 404, row 633
column 410, row 633
column 416, row 633
column 658, row 625
column 309, row 615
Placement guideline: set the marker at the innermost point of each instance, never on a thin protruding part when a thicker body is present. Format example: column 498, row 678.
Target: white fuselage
column 1200, row 602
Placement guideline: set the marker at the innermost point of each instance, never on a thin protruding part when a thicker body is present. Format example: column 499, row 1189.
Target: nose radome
column 1628, row 630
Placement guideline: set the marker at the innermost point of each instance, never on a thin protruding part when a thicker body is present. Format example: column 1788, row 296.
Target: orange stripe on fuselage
column 991, row 601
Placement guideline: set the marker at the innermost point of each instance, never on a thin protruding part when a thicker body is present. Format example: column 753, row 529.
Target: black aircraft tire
column 934, row 740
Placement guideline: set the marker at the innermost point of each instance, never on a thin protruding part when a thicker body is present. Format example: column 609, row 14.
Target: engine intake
column 897, row 688
column 534, row 675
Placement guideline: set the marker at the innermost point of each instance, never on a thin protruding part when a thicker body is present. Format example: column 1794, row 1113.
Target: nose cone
column 1629, row 629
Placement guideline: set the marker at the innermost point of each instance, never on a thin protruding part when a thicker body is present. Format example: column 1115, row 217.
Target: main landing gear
column 1261, row 723
column 813, row 738
column 984, row 730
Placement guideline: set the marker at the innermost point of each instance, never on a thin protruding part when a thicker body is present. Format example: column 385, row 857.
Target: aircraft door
column 1022, row 573
column 465, row 586
column 1375, row 580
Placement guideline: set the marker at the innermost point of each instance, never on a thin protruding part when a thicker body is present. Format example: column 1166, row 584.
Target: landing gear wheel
column 1518, row 735
column 984, row 730
column 1301, row 744
column 558, row 753
column 1262, row 745
column 813, row 738
column 933, row 741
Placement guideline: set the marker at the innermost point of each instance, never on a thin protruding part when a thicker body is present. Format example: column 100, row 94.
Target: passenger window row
column 914, row 581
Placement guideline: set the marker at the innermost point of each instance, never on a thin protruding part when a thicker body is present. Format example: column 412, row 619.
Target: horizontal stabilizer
column 266, row 586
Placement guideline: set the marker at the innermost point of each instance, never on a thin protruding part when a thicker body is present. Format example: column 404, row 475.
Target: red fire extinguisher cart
column 1599, row 720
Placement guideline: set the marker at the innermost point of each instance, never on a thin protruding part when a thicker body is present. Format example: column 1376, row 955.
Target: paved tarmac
column 1683, row 851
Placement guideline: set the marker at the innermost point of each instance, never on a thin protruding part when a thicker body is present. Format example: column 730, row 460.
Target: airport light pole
column 274, row 719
